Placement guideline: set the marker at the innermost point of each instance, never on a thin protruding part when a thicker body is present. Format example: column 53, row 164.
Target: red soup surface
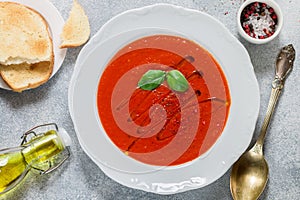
column 161, row 126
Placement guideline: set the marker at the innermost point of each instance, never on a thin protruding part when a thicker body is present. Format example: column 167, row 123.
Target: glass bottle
column 46, row 150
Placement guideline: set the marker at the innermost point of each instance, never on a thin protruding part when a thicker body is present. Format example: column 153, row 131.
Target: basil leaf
column 177, row 81
column 152, row 79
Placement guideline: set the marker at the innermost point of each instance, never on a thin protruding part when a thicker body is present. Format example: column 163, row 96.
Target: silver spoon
column 249, row 174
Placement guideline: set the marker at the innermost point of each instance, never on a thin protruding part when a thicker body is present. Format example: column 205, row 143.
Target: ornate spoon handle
column 284, row 65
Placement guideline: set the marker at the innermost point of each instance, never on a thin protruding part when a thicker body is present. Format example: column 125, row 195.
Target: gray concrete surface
column 80, row 178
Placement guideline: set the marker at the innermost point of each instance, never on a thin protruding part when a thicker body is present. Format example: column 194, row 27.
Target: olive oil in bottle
column 43, row 152
column 12, row 167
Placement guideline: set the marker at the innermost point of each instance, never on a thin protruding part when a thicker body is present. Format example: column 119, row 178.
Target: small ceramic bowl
column 259, row 21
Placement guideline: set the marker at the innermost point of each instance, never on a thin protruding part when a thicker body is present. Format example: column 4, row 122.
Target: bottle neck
column 40, row 151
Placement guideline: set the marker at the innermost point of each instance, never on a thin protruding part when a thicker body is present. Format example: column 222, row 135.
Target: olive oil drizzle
column 186, row 105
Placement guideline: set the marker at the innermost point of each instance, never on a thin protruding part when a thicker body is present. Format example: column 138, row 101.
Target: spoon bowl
column 249, row 175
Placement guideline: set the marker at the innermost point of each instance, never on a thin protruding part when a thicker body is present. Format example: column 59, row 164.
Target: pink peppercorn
column 252, row 19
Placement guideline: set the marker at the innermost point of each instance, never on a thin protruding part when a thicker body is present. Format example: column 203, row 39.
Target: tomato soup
column 161, row 126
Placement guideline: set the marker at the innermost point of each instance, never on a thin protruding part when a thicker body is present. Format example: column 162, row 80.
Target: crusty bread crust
column 34, row 67
column 76, row 30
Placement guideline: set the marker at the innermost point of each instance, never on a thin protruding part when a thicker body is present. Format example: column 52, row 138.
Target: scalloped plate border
column 192, row 177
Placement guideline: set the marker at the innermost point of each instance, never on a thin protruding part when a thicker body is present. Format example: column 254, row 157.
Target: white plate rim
column 163, row 187
column 56, row 23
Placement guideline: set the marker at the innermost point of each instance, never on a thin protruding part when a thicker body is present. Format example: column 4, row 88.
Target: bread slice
column 26, row 49
column 24, row 35
column 24, row 76
column 76, row 30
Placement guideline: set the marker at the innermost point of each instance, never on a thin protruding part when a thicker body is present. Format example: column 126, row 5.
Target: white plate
column 56, row 23
column 235, row 63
